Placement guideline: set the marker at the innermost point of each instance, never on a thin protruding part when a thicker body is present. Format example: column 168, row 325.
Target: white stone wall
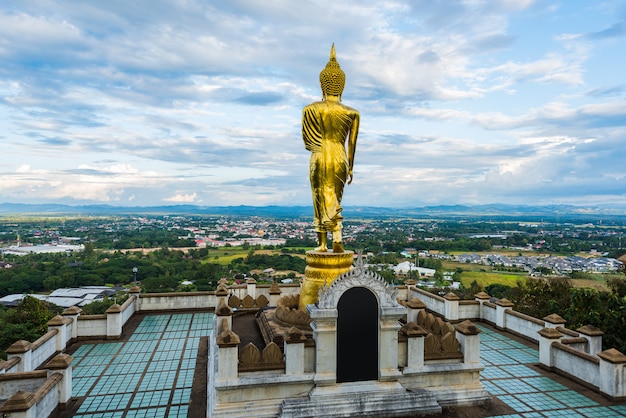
column 11, row 367
column 10, row 386
column 489, row 314
column 286, row 290
column 576, row 365
column 432, row 302
column 49, row 402
column 309, row 359
column 44, row 351
column 469, row 311
column 447, row 378
column 174, row 301
column 68, row 332
column 262, row 387
column 92, row 327
column 523, row 326
column 128, row 309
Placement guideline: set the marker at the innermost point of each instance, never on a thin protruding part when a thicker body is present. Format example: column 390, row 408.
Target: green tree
column 617, row 286
column 498, row 290
column 28, row 321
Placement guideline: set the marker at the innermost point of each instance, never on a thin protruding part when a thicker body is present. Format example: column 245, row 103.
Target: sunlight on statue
column 326, row 125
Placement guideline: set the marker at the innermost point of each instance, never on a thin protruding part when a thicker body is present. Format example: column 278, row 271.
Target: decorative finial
column 332, row 77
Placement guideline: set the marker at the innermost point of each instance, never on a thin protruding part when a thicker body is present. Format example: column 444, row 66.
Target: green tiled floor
column 527, row 391
column 150, row 375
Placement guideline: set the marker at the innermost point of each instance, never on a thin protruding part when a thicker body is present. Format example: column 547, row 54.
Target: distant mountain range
column 490, row 211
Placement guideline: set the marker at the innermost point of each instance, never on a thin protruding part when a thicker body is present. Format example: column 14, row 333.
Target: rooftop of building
column 158, row 369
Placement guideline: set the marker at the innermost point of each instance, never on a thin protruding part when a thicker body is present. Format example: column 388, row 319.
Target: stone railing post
column 324, row 327
column 413, row 308
column 135, row 291
column 594, row 338
column 22, row 350
column 62, row 363
column 481, row 298
column 554, row 321
column 410, row 284
column 388, row 352
column 547, row 336
column 114, row 322
column 415, row 348
column 612, row 376
column 251, row 287
column 501, row 307
column 224, row 314
column 61, row 325
column 274, row 294
column 451, row 307
column 467, row 335
column 294, row 351
column 227, row 359
column 220, row 293
column 73, row 312
column 20, row 405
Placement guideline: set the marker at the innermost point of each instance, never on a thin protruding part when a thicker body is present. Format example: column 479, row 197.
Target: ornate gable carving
column 359, row 277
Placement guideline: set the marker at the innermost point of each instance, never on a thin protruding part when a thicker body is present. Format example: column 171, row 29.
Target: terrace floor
column 158, row 369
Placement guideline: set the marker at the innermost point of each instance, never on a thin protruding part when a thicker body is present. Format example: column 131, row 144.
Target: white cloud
column 460, row 101
column 183, row 198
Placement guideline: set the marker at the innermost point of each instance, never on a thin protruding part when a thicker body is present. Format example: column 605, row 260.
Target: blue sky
column 154, row 102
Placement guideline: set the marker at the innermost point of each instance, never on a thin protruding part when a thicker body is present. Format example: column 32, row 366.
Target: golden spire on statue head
column 332, row 78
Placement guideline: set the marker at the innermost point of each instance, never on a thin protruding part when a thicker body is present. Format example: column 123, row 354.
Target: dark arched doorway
column 357, row 336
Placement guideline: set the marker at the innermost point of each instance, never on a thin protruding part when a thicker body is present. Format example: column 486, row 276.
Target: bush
column 100, row 306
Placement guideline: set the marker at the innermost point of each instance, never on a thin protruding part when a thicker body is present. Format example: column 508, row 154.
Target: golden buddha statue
column 326, row 125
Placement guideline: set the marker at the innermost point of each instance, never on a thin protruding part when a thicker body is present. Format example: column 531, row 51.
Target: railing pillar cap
column 416, row 303
column 18, row 347
column 504, row 302
column 20, row 401
column 590, row 331
column 59, row 362
column 115, row 308
column 550, row 333
column 451, row 296
column 613, row 356
column 554, row 319
column 228, row 338
column 222, row 290
column 413, row 330
column 223, row 309
column 294, row 335
column 467, row 327
column 58, row 320
column 275, row 289
column 72, row 310
column 482, row 296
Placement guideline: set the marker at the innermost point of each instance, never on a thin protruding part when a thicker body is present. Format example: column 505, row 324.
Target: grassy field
column 225, row 256
column 486, row 278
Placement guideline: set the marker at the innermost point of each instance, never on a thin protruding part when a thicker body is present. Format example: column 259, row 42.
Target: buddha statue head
column 332, row 78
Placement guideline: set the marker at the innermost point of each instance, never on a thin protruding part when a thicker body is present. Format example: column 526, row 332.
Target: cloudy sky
column 159, row 102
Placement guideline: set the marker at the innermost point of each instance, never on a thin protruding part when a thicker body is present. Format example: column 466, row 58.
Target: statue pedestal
column 322, row 268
